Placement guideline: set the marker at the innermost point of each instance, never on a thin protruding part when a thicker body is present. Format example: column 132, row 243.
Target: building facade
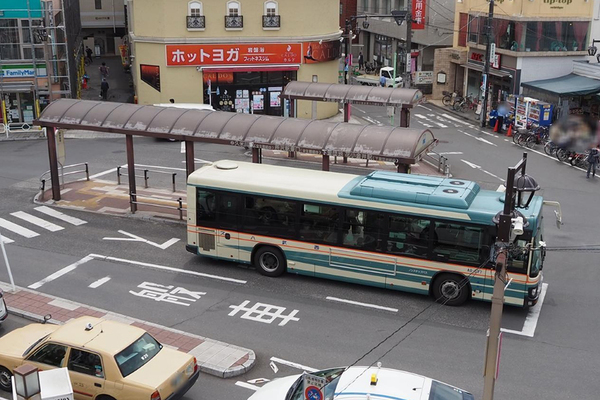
column 44, row 34
column 103, row 25
column 234, row 55
column 382, row 39
column 534, row 40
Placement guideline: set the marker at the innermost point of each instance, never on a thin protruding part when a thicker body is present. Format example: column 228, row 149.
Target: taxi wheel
column 269, row 261
column 451, row 289
column 5, row 382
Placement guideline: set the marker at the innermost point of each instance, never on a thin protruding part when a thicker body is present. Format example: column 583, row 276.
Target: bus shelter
column 400, row 99
column 385, row 143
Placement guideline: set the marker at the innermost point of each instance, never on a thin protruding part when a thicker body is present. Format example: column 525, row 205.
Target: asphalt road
column 441, row 342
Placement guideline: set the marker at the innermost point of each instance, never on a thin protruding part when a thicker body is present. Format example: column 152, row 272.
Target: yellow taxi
column 107, row 360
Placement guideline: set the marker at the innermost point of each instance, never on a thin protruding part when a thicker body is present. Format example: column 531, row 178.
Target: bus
column 413, row 233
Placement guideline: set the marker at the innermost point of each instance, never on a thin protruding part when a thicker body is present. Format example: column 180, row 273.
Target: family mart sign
column 22, row 71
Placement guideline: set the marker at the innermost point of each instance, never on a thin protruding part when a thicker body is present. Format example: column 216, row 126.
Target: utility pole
column 36, row 95
column 486, row 73
column 408, row 73
column 505, row 220
column 348, row 60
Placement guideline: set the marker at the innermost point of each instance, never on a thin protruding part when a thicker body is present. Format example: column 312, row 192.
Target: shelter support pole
column 404, row 117
column 345, row 159
column 403, row 168
column 257, row 155
column 52, row 156
column 189, row 158
column 325, row 162
column 131, row 172
column 346, row 112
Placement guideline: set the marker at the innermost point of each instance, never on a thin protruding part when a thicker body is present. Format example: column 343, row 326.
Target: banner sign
column 418, row 14
column 151, row 75
column 322, row 51
column 233, row 54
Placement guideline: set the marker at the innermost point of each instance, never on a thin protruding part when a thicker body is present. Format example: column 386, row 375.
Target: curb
column 207, row 367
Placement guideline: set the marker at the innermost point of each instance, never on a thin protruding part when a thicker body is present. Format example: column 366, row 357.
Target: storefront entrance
column 19, row 107
column 250, row 92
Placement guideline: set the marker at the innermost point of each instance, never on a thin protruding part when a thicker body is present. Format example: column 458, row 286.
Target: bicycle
column 370, row 68
column 538, row 135
column 466, row 103
column 450, row 98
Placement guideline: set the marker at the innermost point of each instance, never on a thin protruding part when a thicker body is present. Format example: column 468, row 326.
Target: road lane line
column 99, row 282
column 293, row 364
column 6, row 240
column 63, row 217
column 456, row 120
column 532, row 316
column 18, row 229
column 42, row 223
column 60, row 273
column 165, row 268
column 422, row 106
column 247, row 385
column 356, row 303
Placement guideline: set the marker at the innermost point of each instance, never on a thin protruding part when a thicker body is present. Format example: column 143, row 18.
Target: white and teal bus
column 420, row 234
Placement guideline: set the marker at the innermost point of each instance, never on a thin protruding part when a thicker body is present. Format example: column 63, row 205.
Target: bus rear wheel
column 450, row 289
column 270, row 261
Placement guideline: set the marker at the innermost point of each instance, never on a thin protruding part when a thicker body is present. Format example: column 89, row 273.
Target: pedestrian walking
column 593, row 158
column 104, row 89
column 382, row 81
column 104, row 70
column 361, row 61
column 89, row 53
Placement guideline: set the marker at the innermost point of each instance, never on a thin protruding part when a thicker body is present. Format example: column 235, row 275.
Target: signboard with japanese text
column 418, row 14
column 313, row 387
column 423, row 77
column 233, row 54
column 322, row 51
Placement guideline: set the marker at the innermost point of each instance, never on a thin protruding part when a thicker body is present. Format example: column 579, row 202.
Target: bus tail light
column 155, row 396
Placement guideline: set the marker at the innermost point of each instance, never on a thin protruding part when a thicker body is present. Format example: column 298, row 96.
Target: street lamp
column 593, row 49
column 510, row 224
column 27, row 381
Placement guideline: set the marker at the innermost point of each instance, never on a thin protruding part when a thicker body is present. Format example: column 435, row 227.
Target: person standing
column 89, row 52
column 361, row 60
column 104, row 89
column 593, row 158
column 104, row 70
column 502, row 112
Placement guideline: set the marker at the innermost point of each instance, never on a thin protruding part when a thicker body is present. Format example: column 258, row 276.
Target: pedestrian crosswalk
column 28, row 224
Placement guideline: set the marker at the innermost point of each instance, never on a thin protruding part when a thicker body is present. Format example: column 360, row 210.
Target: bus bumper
column 533, row 294
column 191, row 248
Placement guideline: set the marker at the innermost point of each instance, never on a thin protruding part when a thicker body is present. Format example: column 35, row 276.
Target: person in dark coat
column 104, row 89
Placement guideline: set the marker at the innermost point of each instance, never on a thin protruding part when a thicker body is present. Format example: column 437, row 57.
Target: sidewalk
column 120, row 82
column 213, row 357
column 467, row 116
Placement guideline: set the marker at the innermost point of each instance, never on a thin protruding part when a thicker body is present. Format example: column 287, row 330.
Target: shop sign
column 418, row 14
column 321, row 51
column 220, row 77
column 22, row 71
column 151, row 75
column 558, row 4
column 479, row 57
column 423, row 78
column 233, row 54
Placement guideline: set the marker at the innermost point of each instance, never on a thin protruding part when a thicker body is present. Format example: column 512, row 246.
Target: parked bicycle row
column 460, row 103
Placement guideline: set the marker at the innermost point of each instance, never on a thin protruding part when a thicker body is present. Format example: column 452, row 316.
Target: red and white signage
column 495, row 59
column 418, row 14
column 233, row 54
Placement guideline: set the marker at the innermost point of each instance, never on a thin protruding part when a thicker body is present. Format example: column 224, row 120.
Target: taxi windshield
column 137, row 354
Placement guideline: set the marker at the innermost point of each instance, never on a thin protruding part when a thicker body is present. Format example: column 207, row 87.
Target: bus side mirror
column 543, row 249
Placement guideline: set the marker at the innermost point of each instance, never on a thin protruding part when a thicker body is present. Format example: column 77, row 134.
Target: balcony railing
column 271, row 21
column 196, row 22
column 234, row 22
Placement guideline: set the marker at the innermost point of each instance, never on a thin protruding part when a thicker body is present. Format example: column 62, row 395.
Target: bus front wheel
column 451, row 289
column 269, row 261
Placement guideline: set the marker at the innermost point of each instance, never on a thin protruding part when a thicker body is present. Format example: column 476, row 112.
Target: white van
column 190, row 106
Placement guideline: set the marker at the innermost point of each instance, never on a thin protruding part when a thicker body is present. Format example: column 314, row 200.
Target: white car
column 362, row 383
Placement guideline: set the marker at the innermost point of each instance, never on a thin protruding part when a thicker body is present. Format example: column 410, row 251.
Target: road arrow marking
column 470, row 164
column 247, row 385
column 135, row 238
column 475, row 166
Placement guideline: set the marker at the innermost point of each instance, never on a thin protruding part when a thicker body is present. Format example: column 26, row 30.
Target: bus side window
column 458, row 243
column 319, row 223
column 205, row 206
column 408, row 235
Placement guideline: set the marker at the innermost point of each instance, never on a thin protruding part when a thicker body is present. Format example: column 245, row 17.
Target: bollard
column 180, row 208
column 146, row 178
column 174, row 173
column 118, row 175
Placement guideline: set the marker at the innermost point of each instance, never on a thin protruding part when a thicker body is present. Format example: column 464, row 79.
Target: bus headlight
column 534, row 292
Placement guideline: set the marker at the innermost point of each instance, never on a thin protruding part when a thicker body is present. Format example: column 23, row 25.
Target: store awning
column 567, row 85
column 17, row 87
column 493, row 71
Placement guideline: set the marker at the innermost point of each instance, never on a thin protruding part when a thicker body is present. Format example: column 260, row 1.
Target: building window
column 195, row 18
column 271, row 18
column 234, row 19
column 98, row 4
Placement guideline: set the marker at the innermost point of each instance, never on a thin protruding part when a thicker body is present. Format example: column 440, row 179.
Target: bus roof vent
column 226, row 164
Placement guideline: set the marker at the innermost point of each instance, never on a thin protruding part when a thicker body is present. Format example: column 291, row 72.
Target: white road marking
column 135, row 238
column 293, row 365
column 108, row 171
column 99, row 282
column 356, row 303
column 356, row 108
column 456, row 119
column 6, row 240
column 371, row 120
column 259, row 380
column 60, row 273
column 247, row 385
column 475, row 166
column 63, row 217
column 421, row 116
column 422, row 106
column 262, row 312
column 470, row 164
column 478, row 138
column 165, row 268
column 449, row 153
column 501, row 188
column 425, row 124
column 18, row 229
column 532, row 316
column 37, row 221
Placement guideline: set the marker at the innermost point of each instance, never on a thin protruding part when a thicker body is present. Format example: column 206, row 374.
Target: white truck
column 373, row 80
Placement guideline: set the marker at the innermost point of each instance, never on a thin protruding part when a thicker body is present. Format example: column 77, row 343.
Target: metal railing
column 197, row 22
column 234, row 21
column 271, row 21
column 438, row 161
column 146, row 177
column 133, row 199
column 45, row 175
column 20, row 127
